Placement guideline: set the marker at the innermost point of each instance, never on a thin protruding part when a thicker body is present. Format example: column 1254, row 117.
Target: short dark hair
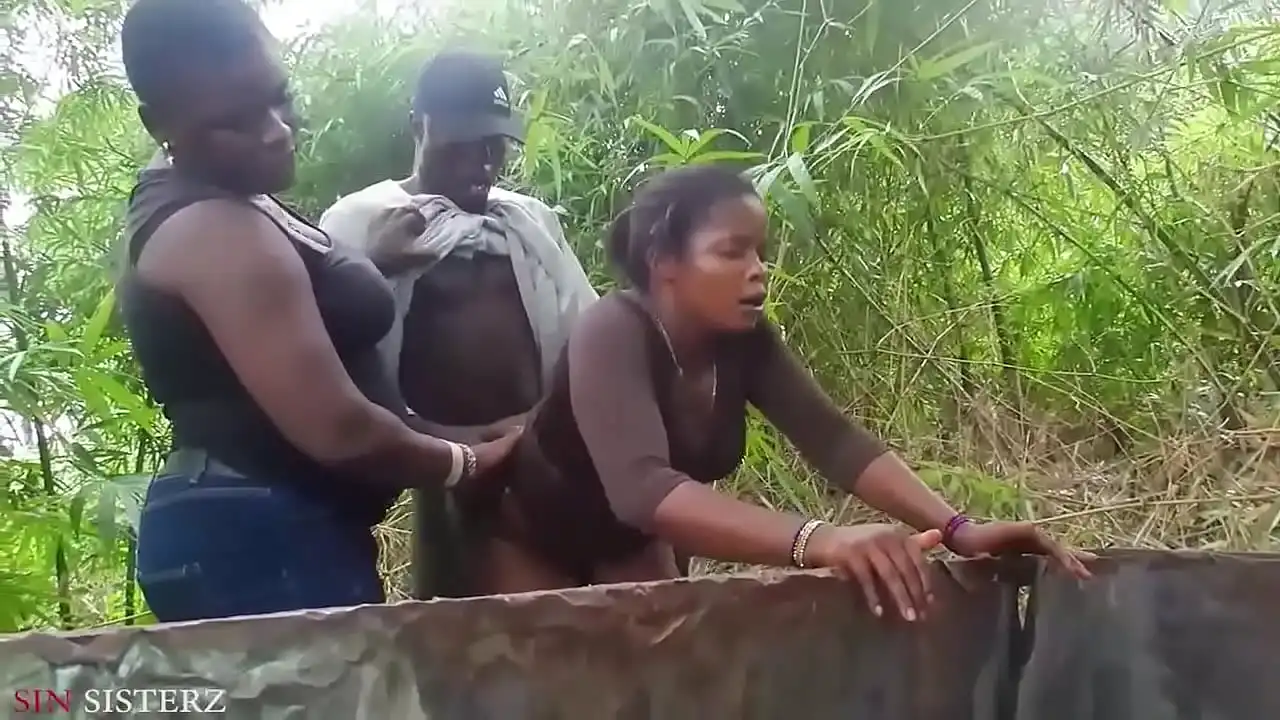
column 665, row 212
column 162, row 40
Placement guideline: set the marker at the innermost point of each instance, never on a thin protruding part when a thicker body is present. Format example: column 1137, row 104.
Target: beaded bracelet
column 468, row 462
column 956, row 522
column 801, row 541
column 463, row 464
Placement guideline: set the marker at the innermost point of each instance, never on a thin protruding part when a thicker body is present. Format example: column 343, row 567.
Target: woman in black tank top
column 258, row 338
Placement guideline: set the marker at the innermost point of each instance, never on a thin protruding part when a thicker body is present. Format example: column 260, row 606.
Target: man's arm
column 384, row 235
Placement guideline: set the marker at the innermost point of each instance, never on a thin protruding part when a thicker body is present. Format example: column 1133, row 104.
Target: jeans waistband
column 190, row 468
column 193, row 462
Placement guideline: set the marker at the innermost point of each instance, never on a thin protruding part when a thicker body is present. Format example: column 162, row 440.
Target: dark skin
column 233, row 126
column 464, row 171
column 717, row 285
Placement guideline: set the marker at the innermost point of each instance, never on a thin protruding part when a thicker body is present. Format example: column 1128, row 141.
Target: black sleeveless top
column 190, row 378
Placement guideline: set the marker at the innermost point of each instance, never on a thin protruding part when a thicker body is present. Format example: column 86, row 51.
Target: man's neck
column 414, row 185
column 411, row 185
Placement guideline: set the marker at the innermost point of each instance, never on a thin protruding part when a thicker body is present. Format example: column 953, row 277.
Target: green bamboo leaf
column 75, row 511
column 732, row 6
column 97, row 323
column 84, row 459
column 54, row 331
column 795, row 211
column 15, row 365
column 673, row 143
column 668, row 160
column 766, row 176
column 105, row 516
column 699, row 140
column 942, row 66
column 691, row 10
column 96, row 402
column 800, row 172
column 134, row 406
column 800, row 138
column 715, row 156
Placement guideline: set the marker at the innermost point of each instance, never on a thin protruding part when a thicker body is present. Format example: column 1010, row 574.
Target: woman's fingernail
column 911, row 615
column 931, row 598
column 878, row 611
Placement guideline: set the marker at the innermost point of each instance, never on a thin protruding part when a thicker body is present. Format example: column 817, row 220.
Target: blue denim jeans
column 214, row 543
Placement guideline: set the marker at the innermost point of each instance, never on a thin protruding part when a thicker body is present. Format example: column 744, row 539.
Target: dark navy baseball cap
column 466, row 97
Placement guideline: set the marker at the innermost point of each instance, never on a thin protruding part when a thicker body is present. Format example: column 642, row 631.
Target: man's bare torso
column 468, row 355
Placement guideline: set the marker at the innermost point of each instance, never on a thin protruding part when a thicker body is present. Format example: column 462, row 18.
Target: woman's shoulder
column 162, row 206
column 617, row 314
column 160, row 186
column 609, row 333
column 158, row 195
column 763, row 336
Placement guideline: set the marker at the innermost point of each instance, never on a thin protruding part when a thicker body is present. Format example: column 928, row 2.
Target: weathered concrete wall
column 1156, row 636
column 787, row 646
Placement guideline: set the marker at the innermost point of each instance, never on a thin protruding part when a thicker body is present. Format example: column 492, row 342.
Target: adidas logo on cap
column 500, row 97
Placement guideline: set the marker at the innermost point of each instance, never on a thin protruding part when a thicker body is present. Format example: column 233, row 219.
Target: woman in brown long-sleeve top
column 648, row 409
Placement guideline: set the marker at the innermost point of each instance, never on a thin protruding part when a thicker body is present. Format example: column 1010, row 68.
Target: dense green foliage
column 1031, row 243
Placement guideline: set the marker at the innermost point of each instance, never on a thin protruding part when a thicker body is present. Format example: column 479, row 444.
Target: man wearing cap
column 486, row 285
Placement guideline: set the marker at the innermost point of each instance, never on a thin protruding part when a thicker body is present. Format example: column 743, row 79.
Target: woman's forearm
column 467, row 434
column 888, row 485
column 387, row 449
column 706, row 523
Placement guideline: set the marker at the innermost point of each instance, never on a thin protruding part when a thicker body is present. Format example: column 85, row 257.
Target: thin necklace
column 715, row 370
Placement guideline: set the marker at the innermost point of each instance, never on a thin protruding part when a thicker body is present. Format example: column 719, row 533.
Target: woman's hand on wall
column 888, row 557
column 973, row 539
